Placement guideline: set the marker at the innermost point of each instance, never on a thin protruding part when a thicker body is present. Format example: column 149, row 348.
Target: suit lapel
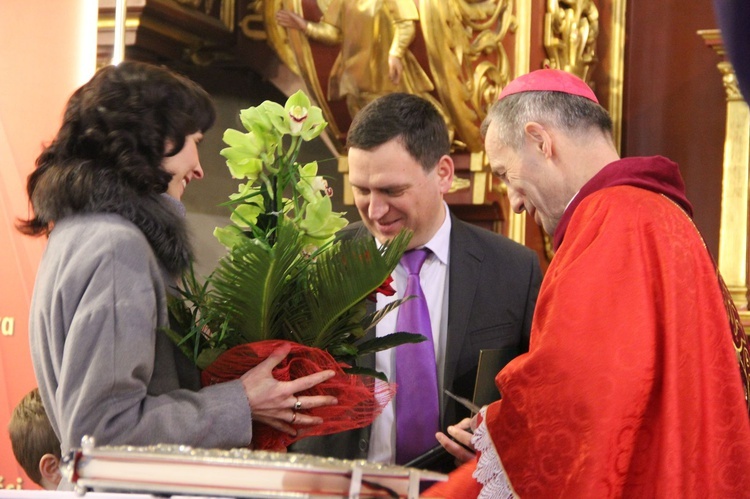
column 464, row 270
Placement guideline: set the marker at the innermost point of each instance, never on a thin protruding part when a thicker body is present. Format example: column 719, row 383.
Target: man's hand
column 458, row 448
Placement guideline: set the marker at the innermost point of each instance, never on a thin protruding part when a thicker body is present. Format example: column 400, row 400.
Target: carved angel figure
column 375, row 59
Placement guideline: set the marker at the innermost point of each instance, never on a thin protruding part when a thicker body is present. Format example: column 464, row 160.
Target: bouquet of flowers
column 286, row 277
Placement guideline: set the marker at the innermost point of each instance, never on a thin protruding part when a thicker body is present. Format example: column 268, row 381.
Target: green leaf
column 343, row 350
column 207, row 357
column 389, row 341
column 230, row 236
column 178, row 340
column 254, row 284
column 366, row 371
column 341, row 277
column 372, row 320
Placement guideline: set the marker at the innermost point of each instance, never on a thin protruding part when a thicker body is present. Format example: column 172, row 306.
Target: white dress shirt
column 434, row 280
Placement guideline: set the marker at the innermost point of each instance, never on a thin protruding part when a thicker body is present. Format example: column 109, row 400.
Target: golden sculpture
column 259, row 23
column 571, row 28
column 374, row 36
column 469, row 64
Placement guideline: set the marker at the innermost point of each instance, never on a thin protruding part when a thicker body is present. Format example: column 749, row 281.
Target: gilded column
column 517, row 221
column 734, row 190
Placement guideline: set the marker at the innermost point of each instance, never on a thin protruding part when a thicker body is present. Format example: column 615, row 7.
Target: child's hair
column 31, row 435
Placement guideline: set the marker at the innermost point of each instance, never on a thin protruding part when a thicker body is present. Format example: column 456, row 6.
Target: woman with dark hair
column 107, row 193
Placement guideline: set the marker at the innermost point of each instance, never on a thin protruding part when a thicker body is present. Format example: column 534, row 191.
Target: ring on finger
column 294, row 417
column 297, row 404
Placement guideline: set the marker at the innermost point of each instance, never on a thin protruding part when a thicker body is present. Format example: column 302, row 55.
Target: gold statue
column 375, row 59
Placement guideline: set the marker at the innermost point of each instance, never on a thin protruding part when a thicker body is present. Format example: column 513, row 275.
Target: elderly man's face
column 534, row 184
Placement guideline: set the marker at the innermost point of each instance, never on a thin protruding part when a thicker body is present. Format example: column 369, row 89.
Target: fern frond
column 251, row 283
column 372, row 320
column 342, row 277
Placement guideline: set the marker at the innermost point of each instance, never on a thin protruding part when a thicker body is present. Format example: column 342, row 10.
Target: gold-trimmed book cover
column 179, row 469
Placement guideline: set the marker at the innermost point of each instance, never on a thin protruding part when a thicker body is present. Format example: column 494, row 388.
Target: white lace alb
column 490, row 472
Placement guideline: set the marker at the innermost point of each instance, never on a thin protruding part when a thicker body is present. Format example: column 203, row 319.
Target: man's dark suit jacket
column 493, row 284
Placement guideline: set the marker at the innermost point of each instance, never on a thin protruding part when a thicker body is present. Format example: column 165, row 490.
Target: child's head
column 35, row 445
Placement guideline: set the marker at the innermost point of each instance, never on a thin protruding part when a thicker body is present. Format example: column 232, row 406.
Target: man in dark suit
column 480, row 287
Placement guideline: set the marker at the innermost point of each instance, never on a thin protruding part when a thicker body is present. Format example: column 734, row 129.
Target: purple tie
column 417, row 413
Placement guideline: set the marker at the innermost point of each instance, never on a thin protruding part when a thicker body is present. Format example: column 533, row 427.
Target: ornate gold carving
column 481, row 181
column 259, row 23
column 570, row 31
column 729, row 79
column 227, row 13
column 374, row 39
column 734, row 198
column 299, row 45
column 251, row 24
column 459, row 184
column 468, row 62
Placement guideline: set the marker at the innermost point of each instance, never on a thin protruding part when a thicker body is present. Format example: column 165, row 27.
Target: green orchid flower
column 258, row 121
column 304, row 119
column 244, row 154
column 245, row 192
column 314, row 124
column 246, row 214
column 310, row 185
column 320, row 221
column 229, row 236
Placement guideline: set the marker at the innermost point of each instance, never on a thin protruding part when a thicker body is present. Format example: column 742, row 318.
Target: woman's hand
column 274, row 402
column 461, row 443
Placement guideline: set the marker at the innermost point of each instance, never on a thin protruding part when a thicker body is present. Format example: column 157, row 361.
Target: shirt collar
column 440, row 242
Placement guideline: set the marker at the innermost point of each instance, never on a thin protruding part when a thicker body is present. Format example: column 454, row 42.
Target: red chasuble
column 631, row 387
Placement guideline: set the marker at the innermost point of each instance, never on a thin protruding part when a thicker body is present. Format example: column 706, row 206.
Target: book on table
column 176, row 469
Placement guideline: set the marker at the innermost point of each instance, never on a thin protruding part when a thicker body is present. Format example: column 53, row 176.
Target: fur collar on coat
column 158, row 216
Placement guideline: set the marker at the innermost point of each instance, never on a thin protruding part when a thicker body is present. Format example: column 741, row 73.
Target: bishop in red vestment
column 635, row 383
